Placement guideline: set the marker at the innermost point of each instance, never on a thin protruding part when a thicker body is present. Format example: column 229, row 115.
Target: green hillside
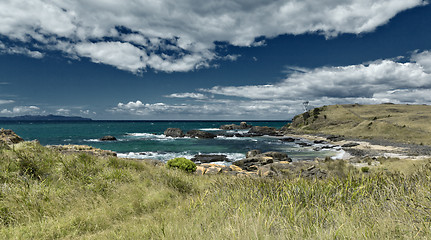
column 399, row 123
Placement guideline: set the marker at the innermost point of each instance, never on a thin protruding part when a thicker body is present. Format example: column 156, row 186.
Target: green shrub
column 182, row 163
column 365, row 169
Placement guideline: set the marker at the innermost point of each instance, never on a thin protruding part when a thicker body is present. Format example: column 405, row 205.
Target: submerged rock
column 174, row 132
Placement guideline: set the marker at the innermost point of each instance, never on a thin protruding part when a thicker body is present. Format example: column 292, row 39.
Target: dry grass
column 401, row 123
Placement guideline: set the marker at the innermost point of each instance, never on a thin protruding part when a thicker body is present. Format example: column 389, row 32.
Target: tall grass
column 46, row 195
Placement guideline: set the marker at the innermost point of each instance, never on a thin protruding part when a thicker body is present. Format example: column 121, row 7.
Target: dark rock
column 207, row 158
column 200, row 134
column 303, row 144
column 252, row 153
column 108, row 138
column 335, row 138
column 288, row 139
column 242, row 125
column 9, row 137
column 174, row 132
column 352, row 144
column 250, row 164
column 319, row 141
column 263, row 130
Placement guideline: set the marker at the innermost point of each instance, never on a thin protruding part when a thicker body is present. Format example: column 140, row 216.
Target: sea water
column 145, row 139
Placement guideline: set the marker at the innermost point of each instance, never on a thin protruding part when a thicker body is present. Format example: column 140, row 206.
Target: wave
column 210, row 129
column 165, row 156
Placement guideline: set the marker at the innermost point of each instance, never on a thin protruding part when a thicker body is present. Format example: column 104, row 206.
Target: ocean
column 145, row 139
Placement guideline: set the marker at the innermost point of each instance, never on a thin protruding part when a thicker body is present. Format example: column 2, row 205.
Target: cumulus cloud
column 6, row 101
column 63, row 111
column 354, row 81
column 369, row 83
column 169, row 35
column 21, row 110
column 19, row 50
column 187, row 95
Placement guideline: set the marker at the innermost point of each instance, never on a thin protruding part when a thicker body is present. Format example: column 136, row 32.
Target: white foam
column 92, row 140
column 150, row 136
column 210, row 129
column 165, row 156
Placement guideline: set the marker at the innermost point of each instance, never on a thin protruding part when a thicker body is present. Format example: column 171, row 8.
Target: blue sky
column 188, row 59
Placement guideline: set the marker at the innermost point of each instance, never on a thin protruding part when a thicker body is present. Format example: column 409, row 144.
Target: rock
column 206, row 158
column 108, row 138
column 319, row 141
column 303, row 144
column 200, row 170
column 213, row 170
column 313, row 172
column 266, row 172
column 335, row 138
column 251, row 164
column 351, row 144
column 235, row 168
column 288, row 139
column 242, row 125
column 263, row 130
column 9, row 137
column 252, row 153
column 277, row 156
column 174, row 132
column 200, row 134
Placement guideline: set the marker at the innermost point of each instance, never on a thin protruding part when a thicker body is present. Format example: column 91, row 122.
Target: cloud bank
column 374, row 82
column 171, row 35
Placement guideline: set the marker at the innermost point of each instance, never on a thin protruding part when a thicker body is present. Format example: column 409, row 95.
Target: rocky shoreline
column 267, row 164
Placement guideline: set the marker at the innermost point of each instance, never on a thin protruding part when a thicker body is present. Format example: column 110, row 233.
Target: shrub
column 182, row 163
column 365, row 169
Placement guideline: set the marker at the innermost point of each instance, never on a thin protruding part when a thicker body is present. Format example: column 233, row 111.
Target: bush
column 182, row 163
column 365, row 169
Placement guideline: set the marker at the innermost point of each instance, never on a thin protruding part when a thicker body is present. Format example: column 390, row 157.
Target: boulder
column 335, row 138
column 244, row 125
column 252, row 153
column 8, row 136
column 174, row 132
column 266, row 172
column 200, row 134
column 263, row 131
column 108, row 138
column 207, row 158
column 213, row 170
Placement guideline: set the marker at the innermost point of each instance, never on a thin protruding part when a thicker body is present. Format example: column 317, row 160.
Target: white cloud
column 21, row 110
column 63, row 111
column 172, row 35
column 187, row 95
column 19, row 50
column 6, row 101
column 355, row 81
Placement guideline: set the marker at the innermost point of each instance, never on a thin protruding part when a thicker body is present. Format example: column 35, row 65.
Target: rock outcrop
column 242, row 125
column 262, row 130
column 8, row 136
column 108, row 138
column 174, row 132
column 255, row 159
column 200, row 134
column 207, row 158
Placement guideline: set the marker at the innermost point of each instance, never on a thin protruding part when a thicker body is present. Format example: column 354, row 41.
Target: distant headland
column 44, row 118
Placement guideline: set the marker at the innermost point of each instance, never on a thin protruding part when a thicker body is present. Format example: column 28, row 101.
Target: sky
column 210, row 60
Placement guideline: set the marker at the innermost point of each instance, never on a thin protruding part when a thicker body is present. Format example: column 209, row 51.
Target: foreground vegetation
column 394, row 122
column 47, row 195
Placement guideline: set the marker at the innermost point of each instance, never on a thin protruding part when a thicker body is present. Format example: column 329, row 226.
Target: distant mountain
column 44, row 118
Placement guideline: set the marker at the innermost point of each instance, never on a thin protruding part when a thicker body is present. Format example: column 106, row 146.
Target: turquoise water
column 145, row 139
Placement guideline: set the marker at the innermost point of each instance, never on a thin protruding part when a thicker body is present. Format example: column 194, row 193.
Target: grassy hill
column 399, row 123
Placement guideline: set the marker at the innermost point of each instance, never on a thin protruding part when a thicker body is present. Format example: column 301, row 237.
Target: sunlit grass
column 47, row 195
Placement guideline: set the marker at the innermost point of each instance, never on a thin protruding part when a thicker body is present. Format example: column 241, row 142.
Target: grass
column 400, row 123
column 47, row 195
